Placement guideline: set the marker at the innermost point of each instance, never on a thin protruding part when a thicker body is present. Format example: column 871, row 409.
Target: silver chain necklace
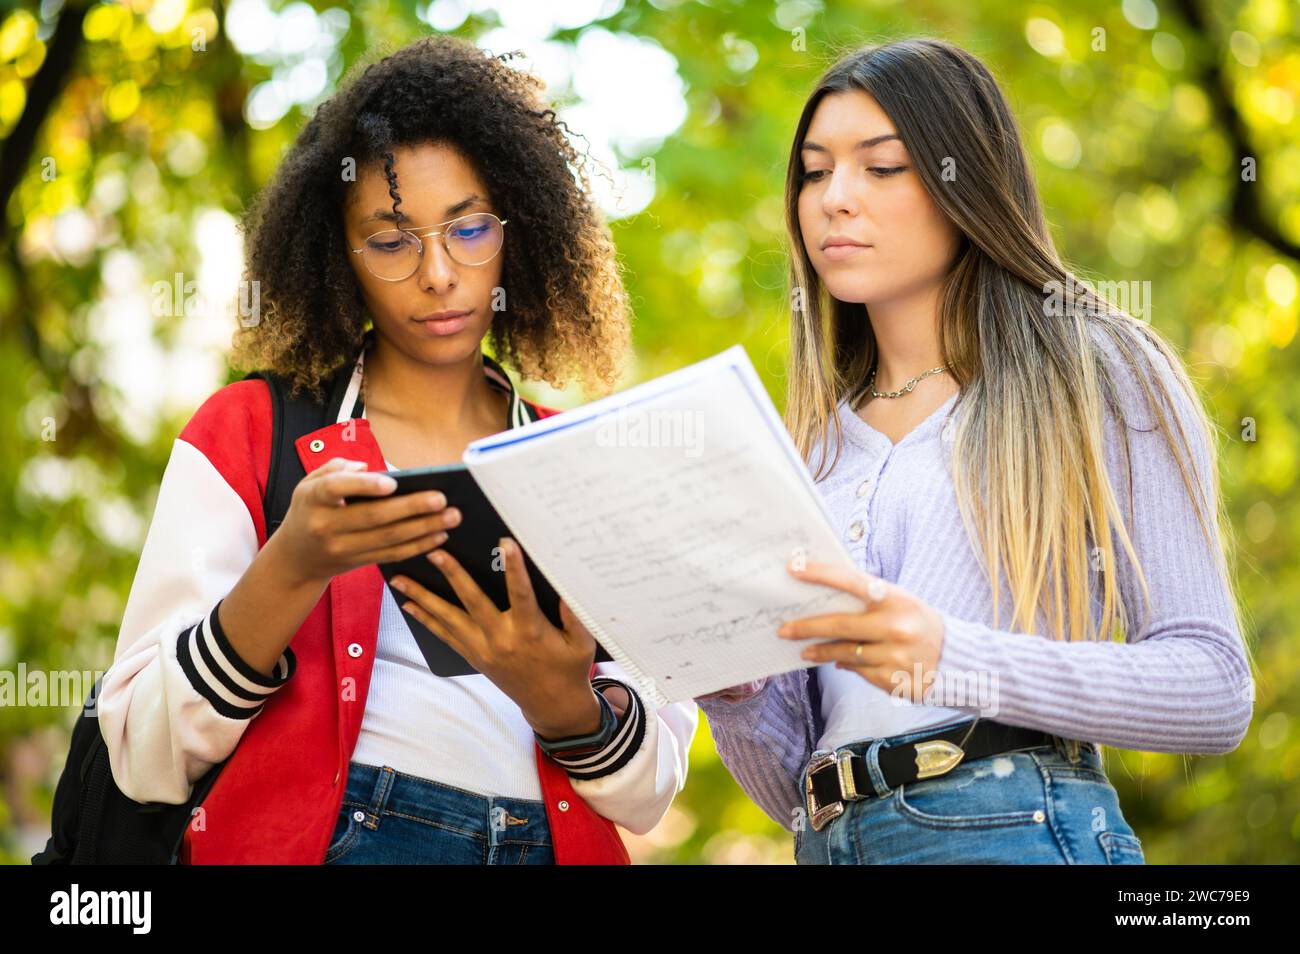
column 905, row 388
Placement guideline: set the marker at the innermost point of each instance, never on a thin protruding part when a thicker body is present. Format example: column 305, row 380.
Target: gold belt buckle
column 936, row 757
column 819, row 815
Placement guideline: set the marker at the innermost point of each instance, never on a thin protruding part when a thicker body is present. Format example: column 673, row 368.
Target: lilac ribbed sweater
column 1181, row 684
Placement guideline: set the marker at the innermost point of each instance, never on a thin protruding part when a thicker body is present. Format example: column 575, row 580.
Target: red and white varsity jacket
column 177, row 699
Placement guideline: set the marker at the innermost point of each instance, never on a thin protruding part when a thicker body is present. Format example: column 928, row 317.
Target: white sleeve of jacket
column 177, row 699
column 634, row 778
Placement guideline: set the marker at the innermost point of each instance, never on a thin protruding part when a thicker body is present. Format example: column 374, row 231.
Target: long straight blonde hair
column 1028, row 457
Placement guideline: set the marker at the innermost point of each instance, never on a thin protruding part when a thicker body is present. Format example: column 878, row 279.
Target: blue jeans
column 389, row 818
column 1051, row 804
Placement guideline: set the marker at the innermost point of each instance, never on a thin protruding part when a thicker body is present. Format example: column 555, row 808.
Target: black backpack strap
column 291, row 418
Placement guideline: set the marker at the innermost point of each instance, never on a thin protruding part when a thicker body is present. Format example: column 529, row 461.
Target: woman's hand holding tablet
column 473, row 547
column 321, row 538
column 540, row 666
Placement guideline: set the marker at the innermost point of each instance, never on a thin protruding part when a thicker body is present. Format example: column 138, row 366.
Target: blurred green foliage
column 1139, row 149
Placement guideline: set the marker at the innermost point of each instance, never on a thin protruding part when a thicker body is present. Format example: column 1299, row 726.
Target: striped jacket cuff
column 621, row 748
column 217, row 673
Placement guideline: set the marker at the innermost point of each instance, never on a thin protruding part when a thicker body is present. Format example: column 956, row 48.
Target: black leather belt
column 836, row 777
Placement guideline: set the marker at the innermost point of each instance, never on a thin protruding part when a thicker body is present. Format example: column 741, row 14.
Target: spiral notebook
column 665, row 516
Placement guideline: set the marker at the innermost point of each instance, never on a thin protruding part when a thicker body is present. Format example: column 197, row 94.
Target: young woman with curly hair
column 988, row 435
column 431, row 203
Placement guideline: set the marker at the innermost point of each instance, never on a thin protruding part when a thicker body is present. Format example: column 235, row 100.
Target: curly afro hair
column 568, row 314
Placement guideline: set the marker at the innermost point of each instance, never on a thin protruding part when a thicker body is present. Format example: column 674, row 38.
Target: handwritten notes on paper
column 673, row 550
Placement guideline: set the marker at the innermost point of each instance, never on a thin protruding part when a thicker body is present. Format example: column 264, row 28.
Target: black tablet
column 475, row 543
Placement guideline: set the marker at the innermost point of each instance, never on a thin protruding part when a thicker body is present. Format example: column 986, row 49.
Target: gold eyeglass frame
column 443, row 234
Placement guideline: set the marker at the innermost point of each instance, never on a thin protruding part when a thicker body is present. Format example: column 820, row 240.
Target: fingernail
column 451, row 516
column 437, row 557
column 398, row 584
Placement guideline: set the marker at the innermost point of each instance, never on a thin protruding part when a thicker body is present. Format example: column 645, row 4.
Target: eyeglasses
column 394, row 254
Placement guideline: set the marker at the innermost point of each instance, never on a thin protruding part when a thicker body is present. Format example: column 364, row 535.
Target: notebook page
column 665, row 517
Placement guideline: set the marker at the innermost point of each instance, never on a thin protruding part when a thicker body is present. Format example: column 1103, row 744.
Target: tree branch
column 1246, row 213
column 42, row 95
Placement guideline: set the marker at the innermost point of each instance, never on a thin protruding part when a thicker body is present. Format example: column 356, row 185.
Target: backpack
column 92, row 822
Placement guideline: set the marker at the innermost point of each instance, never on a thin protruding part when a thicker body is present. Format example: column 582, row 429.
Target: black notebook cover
column 474, row 542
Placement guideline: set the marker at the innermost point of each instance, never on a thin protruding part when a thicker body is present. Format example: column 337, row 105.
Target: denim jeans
column 1051, row 804
column 389, row 818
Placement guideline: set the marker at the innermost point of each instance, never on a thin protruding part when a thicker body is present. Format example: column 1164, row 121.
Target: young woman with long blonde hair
column 1018, row 468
